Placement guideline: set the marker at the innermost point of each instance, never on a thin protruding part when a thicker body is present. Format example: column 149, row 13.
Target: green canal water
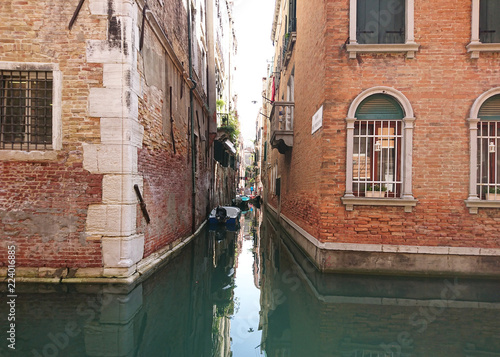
column 253, row 293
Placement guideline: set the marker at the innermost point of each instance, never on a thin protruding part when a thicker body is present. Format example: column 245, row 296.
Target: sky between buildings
column 253, row 21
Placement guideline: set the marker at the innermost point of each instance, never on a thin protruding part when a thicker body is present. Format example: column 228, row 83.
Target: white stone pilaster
column 111, row 220
column 408, row 157
column 473, row 158
column 115, row 157
column 349, row 157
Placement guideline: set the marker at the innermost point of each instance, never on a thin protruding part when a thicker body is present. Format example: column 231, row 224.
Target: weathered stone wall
column 124, row 121
column 45, row 196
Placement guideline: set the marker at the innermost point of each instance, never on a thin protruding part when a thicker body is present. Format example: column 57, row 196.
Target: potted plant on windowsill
column 493, row 194
column 375, row 191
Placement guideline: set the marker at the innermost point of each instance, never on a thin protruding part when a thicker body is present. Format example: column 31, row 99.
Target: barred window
column 377, row 148
column 25, row 110
column 488, row 139
column 377, row 158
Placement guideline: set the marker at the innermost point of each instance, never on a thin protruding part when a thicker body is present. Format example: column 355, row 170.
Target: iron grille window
column 488, row 139
column 489, row 26
column 380, row 21
column 25, row 110
column 377, row 158
column 377, row 142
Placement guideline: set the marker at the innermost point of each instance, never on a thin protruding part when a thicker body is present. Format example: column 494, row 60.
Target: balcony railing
column 222, row 119
column 282, row 126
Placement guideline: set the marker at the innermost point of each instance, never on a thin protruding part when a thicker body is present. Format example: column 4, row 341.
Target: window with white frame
column 485, row 30
column 381, row 26
column 488, row 138
column 379, row 147
column 484, row 129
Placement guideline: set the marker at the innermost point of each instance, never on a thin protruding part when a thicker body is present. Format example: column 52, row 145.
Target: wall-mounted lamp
column 378, row 145
column 491, row 147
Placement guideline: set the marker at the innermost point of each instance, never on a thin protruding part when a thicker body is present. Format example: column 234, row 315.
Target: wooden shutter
column 392, row 21
column 380, row 21
column 292, row 16
column 218, row 151
column 489, row 24
column 367, row 21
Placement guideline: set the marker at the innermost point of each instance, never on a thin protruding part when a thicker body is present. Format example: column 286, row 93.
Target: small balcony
column 282, row 126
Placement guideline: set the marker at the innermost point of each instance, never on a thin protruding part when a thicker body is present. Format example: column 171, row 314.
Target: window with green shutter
column 489, row 23
column 380, row 21
column 490, row 110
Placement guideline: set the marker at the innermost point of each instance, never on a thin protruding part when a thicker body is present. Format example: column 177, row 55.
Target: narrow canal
column 252, row 293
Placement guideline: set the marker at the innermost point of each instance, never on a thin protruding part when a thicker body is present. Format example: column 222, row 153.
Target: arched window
column 379, row 146
column 484, row 128
column 488, row 138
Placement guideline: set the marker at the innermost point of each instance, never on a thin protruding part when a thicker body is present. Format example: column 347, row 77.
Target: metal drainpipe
column 191, row 89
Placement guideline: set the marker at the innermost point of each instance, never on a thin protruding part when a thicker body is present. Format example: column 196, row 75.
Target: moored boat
column 224, row 215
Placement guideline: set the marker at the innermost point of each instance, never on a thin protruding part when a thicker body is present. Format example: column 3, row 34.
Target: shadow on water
column 252, row 292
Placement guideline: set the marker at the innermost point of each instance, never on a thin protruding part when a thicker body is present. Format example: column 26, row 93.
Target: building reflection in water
column 305, row 313
column 187, row 308
column 183, row 309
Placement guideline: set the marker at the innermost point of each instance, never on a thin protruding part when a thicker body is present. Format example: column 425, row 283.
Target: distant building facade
column 385, row 134
column 108, row 116
column 226, row 140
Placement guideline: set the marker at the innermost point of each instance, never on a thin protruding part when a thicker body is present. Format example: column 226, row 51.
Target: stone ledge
column 474, row 48
column 474, row 205
column 34, row 156
column 409, row 48
column 407, row 203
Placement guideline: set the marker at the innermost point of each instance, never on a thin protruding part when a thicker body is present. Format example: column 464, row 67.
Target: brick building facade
column 384, row 125
column 102, row 101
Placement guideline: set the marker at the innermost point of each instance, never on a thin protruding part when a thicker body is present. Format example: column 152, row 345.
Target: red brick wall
column 300, row 168
column 167, row 174
column 168, row 197
column 441, row 83
column 43, row 212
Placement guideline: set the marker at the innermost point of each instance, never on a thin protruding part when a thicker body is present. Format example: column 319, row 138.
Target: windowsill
column 407, row 203
column 475, row 47
column 474, row 205
column 409, row 48
column 18, row 155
